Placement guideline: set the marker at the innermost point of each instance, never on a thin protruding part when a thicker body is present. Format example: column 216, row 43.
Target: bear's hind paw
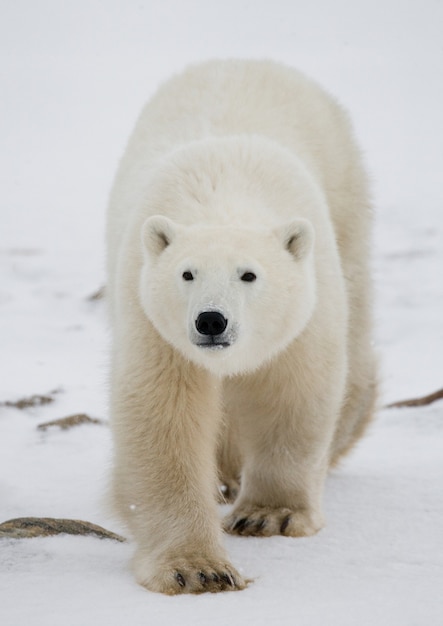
column 267, row 521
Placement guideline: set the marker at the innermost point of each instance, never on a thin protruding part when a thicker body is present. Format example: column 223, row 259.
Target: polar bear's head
column 227, row 298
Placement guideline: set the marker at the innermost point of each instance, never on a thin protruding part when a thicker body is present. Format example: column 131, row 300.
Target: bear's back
column 225, row 98
column 220, row 98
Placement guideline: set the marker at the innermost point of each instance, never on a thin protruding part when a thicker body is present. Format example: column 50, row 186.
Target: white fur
column 218, row 257
column 240, row 201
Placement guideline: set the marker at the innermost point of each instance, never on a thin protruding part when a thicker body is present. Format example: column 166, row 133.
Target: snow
column 74, row 76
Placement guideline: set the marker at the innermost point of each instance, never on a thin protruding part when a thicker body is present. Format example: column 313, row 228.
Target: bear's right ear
column 158, row 232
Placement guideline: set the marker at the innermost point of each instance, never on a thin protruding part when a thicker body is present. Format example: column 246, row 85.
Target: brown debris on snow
column 32, row 401
column 422, row 401
column 28, row 527
column 97, row 295
column 64, row 423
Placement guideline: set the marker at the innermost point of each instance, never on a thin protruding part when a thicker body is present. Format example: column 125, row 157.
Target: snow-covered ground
column 73, row 78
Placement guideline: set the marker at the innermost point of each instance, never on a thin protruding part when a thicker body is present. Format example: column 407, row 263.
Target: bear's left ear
column 297, row 237
column 158, row 232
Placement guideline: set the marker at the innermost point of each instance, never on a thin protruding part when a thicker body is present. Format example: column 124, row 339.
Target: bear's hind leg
column 229, row 461
column 286, row 419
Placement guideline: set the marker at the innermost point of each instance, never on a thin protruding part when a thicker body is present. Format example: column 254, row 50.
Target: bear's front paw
column 188, row 576
column 267, row 521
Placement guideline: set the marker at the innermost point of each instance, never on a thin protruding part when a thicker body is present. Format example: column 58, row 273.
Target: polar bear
column 239, row 294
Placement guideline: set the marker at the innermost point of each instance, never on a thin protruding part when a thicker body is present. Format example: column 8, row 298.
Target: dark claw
column 226, row 579
column 216, row 578
column 203, row 578
column 179, row 578
column 260, row 525
column 285, row 524
column 241, row 524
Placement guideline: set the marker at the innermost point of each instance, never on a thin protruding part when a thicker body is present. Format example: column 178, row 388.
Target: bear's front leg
column 165, row 415
column 285, row 417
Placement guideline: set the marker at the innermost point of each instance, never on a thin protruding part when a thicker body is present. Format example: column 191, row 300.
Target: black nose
column 211, row 323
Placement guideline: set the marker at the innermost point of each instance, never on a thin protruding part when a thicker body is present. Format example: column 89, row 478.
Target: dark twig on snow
column 97, row 295
column 432, row 397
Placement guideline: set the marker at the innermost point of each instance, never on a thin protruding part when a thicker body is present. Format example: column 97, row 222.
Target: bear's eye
column 187, row 276
column 248, row 277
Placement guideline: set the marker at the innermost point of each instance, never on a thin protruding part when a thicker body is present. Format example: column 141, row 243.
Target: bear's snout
column 211, row 323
